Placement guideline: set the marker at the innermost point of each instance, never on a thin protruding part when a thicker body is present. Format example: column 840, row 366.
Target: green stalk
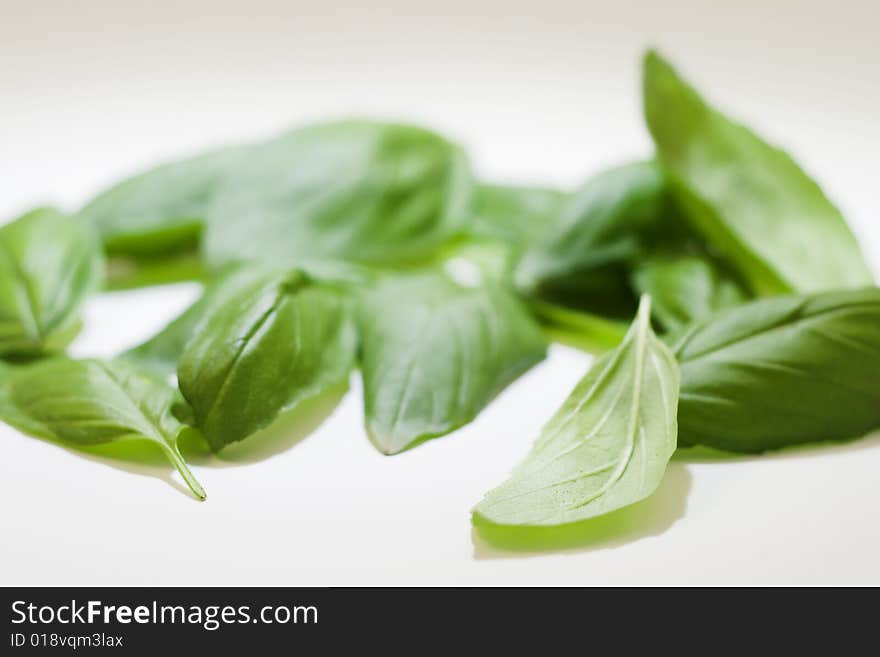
column 177, row 460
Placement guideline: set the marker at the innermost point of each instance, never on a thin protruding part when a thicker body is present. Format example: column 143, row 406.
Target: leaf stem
column 177, row 460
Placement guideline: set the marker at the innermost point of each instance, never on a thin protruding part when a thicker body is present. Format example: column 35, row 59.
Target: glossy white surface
column 545, row 92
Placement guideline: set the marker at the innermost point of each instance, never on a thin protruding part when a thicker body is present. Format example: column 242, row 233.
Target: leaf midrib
column 622, row 461
column 635, row 412
column 158, row 435
column 759, row 333
column 236, row 359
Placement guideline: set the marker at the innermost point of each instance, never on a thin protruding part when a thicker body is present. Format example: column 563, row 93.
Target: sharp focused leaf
column 434, row 353
column 606, row 448
column 782, row 371
column 91, row 402
column 751, row 201
column 601, row 228
column 685, row 288
column 48, row 265
column 351, row 190
column 272, row 343
column 519, row 216
column 161, row 353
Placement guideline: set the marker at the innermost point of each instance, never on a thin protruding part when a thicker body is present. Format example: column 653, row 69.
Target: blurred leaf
column 349, row 190
column 753, row 204
column 49, row 264
column 685, row 288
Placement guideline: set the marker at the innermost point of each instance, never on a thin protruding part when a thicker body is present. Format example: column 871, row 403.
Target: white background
column 539, row 92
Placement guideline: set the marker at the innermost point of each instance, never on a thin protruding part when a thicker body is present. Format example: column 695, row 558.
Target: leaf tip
column 659, row 80
column 651, row 56
column 384, row 442
column 654, row 62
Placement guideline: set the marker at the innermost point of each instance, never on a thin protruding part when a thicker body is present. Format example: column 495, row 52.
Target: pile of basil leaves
column 369, row 245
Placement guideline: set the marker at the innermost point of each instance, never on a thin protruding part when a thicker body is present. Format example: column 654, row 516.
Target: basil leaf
column 163, row 210
column 278, row 340
column 601, row 228
column 9, row 413
column 606, row 448
column 92, row 402
column 161, row 353
column 577, row 328
column 750, row 201
column 434, row 353
column 350, row 190
column 126, row 273
column 685, row 288
column 782, row 371
column 359, row 191
column 48, row 265
column 518, row 216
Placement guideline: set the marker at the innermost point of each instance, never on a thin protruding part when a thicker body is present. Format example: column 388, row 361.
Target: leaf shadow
column 138, row 457
column 287, row 431
column 650, row 517
column 700, row 454
column 141, row 457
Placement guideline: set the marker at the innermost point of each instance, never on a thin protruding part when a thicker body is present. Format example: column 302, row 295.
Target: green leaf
column 163, row 210
column 602, row 227
column 606, row 448
column 782, row 371
column 349, row 190
column 434, row 353
column 751, row 201
column 685, row 288
column 368, row 192
column 577, row 328
column 161, row 353
column 92, row 402
column 9, row 413
column 49, row 263
column 516, row 215
column 125, row 273
column 272, row 343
